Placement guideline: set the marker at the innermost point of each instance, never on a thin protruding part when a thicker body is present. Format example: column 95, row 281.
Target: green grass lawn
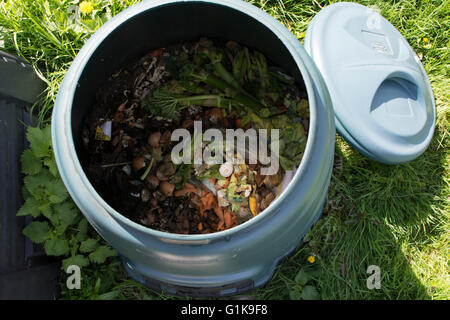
column 395, row 217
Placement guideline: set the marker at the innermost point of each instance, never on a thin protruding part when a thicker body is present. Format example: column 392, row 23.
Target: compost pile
column 127, row 135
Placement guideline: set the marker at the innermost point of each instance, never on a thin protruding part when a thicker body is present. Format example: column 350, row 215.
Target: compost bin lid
column 381, row 95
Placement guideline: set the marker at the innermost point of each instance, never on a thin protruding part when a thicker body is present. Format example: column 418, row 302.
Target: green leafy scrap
column 303, row 109
column 184, row 172
column 212, row 172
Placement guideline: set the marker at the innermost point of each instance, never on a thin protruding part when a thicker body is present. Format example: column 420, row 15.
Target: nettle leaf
column 294, row 294
column 34, row 184
column 60, row 228
column 101, row 254
column 25, row 193
column 310, row 293
column 88, row 245
column 56, row 247
column 37, row 184
column 78, row 260
column 66, row 212
column 46, row 209
column 51, row 164
column 37, row 231
column 302, row 277
column 30, row 163
column 82, row 230
column 39, row 142
column 56, row 190
column 48, row 135
column 29, row 207
column 57, row 198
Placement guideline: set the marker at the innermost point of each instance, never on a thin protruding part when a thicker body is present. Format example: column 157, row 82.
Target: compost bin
column 358, row 72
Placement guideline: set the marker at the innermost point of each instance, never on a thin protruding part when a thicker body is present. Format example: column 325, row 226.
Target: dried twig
column 115, row 164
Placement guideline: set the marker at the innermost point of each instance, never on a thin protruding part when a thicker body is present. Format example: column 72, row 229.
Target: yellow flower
column 427, row 43
column 86, row 7
column 299, row 35
column 311, row 259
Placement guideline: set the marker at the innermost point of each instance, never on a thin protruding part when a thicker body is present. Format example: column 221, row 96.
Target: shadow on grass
column 374, row 211
column 380, row 208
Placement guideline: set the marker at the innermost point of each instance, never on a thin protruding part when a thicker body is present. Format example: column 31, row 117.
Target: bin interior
column 170, row 24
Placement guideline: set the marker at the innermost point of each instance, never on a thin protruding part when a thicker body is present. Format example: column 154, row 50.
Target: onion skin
column 226, row 169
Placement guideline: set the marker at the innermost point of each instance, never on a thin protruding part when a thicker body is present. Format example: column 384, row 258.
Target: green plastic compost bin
column 358, row 71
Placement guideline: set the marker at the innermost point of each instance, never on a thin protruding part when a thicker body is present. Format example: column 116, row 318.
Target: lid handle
column 393, row 97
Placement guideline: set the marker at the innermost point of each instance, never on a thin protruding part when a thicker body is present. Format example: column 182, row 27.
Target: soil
column 115, row 166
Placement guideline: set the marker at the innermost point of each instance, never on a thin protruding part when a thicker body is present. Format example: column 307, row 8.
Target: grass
column 395, row 217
